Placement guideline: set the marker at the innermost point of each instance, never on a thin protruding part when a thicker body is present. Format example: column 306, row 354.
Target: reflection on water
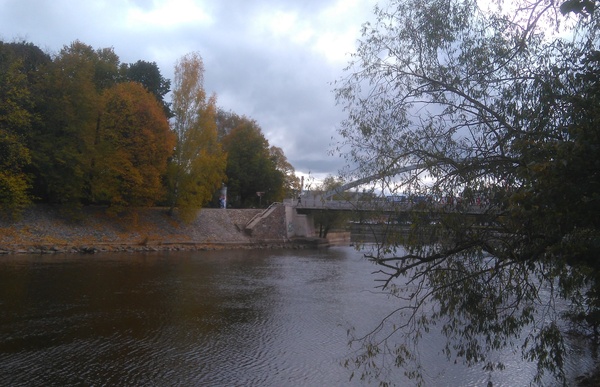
column 244, row 318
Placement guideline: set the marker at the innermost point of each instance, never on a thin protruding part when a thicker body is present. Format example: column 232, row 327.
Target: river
column 209, row 318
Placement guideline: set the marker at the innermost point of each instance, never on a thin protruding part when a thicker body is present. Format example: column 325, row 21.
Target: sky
column 273, row 61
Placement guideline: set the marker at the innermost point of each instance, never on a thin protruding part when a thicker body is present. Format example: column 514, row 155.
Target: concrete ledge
column 339, row 238
column 313, row 242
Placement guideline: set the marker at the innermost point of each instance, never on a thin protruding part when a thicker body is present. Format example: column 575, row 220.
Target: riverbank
column 49, row 229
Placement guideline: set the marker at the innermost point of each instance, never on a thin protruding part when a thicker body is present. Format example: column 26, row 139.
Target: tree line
column 81, row 128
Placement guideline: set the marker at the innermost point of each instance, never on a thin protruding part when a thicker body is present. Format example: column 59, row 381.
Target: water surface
column 221, row 318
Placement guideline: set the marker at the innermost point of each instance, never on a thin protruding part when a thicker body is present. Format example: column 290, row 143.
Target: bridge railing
column 318, row 202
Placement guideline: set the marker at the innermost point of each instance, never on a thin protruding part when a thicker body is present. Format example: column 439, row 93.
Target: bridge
column 325, row 200
column 317, row 202
column 300, row 216
column 300, row 212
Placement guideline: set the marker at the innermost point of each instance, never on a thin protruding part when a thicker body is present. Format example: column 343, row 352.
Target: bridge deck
column 317, row 203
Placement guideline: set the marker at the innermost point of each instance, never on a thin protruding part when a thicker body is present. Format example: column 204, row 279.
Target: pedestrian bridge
column 318, row 201
column 299, row 211
column 311, row 202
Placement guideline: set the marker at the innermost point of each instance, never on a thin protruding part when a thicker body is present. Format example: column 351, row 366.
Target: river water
column 211, row 318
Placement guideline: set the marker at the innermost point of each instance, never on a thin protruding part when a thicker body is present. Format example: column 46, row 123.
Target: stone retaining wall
column 48, row 229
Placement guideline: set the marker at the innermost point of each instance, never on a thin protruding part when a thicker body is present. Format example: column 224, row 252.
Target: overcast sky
column 270, row 60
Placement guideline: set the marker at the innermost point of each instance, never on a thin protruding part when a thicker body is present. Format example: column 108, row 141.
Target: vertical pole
column 223, row 196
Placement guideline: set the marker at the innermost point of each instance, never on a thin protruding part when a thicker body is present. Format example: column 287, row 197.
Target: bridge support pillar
column 298, row 225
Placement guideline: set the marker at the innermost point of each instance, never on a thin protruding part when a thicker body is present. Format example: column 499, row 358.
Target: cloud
column 167, row 15
column 270, row 60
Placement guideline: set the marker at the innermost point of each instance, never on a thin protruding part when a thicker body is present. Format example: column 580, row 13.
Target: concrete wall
column 298, row 225
column 339, row 238
column 271, row 226
column 281, row 222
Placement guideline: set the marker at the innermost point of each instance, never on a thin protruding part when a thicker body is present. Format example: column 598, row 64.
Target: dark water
column 227, row 318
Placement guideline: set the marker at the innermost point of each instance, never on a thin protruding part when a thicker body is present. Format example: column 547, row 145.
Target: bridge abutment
column 298, row 225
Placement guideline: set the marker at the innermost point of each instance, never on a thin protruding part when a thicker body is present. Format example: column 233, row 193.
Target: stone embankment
column 46, row 229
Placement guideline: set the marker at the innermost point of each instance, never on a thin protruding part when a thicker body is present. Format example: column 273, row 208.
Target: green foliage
column 148, row 74
column 585, row 7
column 291, row 185
column 14, row 182
column 250, row 166
column 15, row 105
column 494, row 102
column 226, row 121
column 63, row 143
column 15, row 120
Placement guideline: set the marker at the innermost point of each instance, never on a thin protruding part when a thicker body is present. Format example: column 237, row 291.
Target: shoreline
column 130, row 248
column 45, row 229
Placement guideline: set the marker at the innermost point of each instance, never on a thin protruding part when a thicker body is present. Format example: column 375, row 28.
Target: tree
column 76, row 130
column 62, row 143
column 106, row 65
column 15, row 120
column 498, row 102
column 148, row 74
column 197, row 167
column 250, row 167
column 132, row 145
column 21, row 73
column 226, row 121
column 291, row 184
column 14, row 183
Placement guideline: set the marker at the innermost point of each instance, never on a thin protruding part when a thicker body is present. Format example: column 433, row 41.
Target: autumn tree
column 196, row 169
column 148, row 74
column 63, row 143
column 16, row 112
column 496, row 100
column 79, row 130
column 132, row 144
column 250, row 167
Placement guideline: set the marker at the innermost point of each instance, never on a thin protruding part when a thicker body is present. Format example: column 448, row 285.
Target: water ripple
column 254, row 318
